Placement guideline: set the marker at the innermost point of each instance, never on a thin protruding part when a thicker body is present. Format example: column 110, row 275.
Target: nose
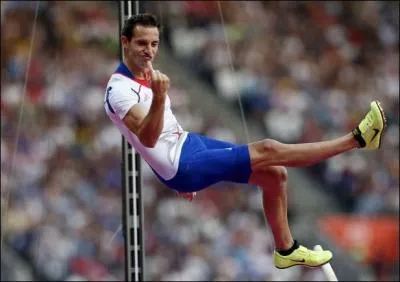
column 148, row 49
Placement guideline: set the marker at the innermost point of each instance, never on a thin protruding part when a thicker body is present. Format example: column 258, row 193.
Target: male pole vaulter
column 137, row 102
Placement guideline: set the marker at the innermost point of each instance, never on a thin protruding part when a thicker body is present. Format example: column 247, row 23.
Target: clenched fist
column 159, row 82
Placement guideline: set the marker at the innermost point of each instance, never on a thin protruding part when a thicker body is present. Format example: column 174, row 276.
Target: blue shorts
column 205, row 161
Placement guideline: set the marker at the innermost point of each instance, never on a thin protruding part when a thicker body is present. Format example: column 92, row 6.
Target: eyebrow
column 142, row 39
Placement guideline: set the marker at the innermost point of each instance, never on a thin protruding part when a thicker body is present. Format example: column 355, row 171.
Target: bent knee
column 264, row 153
column 279, row 173
column 271, row 176
column 267, row 146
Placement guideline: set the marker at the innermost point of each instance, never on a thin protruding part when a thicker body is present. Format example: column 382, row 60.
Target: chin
column 142, row 65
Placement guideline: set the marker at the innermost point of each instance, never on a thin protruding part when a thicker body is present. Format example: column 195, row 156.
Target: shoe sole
column 311, row 266
column 383, row 119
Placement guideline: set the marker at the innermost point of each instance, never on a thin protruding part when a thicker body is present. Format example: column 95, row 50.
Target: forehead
column 146, row 32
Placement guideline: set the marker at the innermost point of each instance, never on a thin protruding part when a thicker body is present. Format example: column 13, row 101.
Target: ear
column 124, row 41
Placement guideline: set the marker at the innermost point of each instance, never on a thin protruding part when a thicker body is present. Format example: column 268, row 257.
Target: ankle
column 285, row 252
column 357, row 139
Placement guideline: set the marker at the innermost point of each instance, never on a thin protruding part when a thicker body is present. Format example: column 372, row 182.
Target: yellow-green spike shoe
column 302, row 256
column 370, row 130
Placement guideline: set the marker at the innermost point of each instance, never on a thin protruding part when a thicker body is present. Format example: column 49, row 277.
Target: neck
column 136, row 71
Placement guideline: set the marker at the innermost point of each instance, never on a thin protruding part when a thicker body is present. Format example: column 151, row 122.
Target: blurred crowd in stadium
column 306, row 71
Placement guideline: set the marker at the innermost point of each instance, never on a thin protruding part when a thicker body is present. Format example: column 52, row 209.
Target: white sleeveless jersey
column 124, row 91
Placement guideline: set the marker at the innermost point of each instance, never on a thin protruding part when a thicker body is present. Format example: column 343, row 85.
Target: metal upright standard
column 132, row 207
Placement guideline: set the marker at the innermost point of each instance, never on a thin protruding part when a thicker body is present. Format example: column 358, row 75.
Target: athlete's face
column 143, row 47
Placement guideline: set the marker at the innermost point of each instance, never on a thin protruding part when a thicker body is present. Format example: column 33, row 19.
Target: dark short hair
column 147, row 20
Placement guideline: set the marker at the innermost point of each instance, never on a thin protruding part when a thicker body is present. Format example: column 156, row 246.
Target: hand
column 187, row 195
column 159, row 82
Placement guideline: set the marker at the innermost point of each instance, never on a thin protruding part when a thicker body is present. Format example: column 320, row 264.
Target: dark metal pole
column 132, row 205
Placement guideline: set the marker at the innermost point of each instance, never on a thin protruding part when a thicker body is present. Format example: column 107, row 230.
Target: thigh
column 207, row 167
column 228, row 164
column 212, row 143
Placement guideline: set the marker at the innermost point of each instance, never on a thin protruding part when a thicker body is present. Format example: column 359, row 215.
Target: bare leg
column 271, row 152
column 273, row 182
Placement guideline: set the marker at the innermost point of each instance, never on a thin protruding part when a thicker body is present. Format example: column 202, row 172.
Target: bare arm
column 146, row 127
column 149, row 127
